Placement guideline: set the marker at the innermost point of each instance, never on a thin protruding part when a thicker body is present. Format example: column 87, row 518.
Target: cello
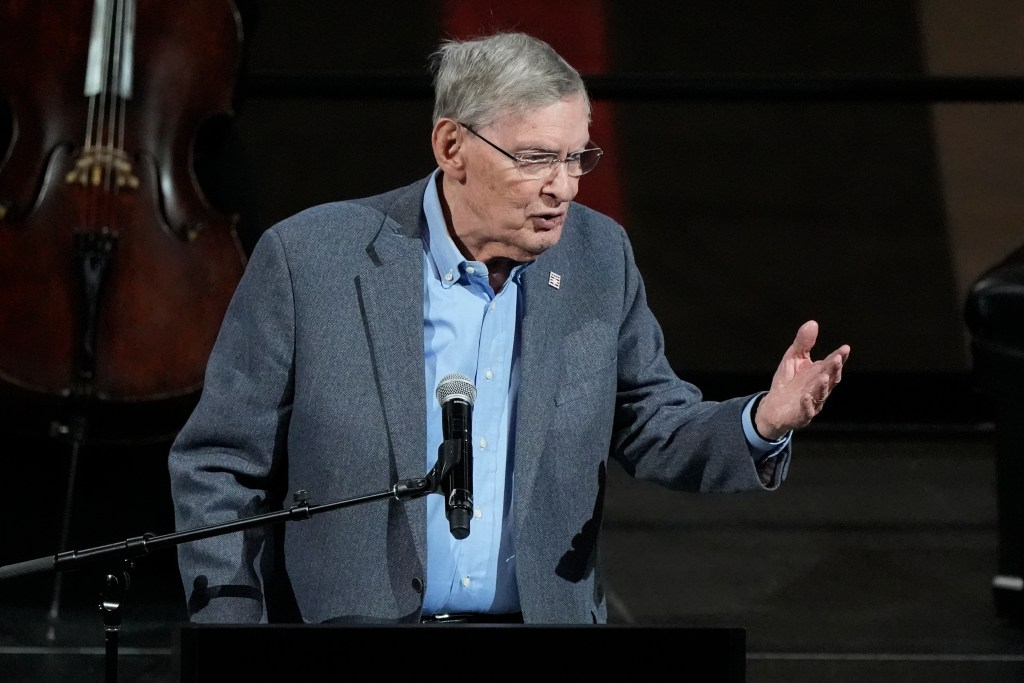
column 115, row 270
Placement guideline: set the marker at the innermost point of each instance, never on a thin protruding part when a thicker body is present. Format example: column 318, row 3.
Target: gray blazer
column 316, row 382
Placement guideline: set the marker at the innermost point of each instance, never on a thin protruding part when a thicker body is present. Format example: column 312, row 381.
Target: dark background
column 755, row 195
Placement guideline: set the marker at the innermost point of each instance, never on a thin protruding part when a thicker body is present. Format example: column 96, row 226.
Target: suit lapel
column 391, row 293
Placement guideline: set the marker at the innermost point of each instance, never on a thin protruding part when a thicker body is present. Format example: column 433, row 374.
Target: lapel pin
column 554, row 280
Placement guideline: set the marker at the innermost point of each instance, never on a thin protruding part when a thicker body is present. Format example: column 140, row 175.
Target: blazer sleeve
column 664, row 431
column 222, row 462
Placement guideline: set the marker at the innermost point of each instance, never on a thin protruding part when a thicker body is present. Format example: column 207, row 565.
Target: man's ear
column 447, row 141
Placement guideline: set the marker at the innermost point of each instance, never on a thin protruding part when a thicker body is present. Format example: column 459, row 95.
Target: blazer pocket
column 588, row 362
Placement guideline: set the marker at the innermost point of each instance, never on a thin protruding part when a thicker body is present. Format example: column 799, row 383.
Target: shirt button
column 493, row 305
column 466, row 581
column 448, row 276
column 483, row 443
column 477, row 513
column 489, row 375
column 470, row 269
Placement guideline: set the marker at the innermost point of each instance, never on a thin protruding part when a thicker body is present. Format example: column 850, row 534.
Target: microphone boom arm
column 145, row 544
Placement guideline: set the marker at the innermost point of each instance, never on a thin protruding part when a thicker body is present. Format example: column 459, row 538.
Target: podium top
column 261, row 651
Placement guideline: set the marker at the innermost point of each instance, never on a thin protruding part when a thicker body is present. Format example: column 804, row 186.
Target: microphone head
column 455, row 386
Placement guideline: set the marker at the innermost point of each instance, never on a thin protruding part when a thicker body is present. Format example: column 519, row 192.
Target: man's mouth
column 550, row 221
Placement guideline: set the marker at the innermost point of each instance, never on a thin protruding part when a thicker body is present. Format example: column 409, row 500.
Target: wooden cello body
column 115, row 271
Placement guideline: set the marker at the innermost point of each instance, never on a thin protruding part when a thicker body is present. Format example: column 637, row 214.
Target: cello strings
column 110, row 128
column 104, row 15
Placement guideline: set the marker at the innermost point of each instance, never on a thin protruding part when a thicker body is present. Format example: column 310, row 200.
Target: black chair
column 994, row 314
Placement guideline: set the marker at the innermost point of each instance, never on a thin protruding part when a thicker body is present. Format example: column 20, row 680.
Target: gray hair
column 507, row 73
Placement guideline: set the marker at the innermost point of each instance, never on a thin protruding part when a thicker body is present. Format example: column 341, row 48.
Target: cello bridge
column 103, row 166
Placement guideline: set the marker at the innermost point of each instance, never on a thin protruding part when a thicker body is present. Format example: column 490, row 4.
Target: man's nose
column 561, row 185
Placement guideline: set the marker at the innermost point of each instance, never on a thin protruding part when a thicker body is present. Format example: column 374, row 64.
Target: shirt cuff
column 759, row 447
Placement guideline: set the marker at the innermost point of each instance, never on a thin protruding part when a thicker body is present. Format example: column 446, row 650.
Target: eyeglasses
column 537, row 165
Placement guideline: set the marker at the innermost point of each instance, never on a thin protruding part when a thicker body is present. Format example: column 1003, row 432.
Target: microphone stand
column 116, row 582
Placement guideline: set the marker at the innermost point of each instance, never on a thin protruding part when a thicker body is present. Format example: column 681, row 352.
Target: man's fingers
column 806, row 337
column 838, row 360
column 844, row 353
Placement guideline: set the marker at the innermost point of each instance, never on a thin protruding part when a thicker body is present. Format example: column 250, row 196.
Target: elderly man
column 351, row 314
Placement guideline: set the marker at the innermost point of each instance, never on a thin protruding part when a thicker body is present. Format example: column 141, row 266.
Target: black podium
column 456, row 651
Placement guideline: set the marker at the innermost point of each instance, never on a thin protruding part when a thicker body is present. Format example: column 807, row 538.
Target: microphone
column 456, row 394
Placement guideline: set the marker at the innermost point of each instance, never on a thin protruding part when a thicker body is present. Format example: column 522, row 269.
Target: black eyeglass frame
column 550, row 159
